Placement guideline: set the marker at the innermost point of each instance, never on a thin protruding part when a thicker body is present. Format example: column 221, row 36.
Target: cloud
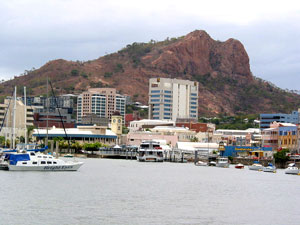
column 34, row 31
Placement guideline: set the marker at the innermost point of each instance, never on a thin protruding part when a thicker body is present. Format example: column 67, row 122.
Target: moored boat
column 150, row 151
column 201, row 163
column 212, row 163
column 270, row 168
column 292, row 169
column 256, row 166
column 36, row 161
column 239, row 166
column 222, row 162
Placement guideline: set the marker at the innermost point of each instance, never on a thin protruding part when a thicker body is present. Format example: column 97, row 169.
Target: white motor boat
column 256, row 166
column 32, row 161
column 292, row 169
column 222, row 162
column 270, row 168
column 201, row 163
column 212, row 163
column 150, row 151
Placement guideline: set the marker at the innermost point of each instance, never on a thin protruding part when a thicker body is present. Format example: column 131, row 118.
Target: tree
column 77, row 146
column 281, row 157
column 194, row 139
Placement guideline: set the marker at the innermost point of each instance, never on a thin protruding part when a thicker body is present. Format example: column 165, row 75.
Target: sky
column 34, row 32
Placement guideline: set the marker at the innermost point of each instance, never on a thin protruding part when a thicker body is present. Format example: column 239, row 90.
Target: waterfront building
column 8, row 109
column 248, row 137
column 136, row 138
column 170, row 99
column 196, row 126
column 247, row 151
column 102, row 102
column 139, row 125
column 267, row 119
column 84, row 134
column 202, row 148
column 281, row 136
column 183, row 134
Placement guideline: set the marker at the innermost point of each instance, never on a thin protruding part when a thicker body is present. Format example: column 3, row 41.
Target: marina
column 128, row 191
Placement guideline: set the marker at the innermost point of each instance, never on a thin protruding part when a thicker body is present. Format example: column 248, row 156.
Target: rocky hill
column 226, row 84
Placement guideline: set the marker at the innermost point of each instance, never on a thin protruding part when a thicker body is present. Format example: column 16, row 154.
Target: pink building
column 136, row 138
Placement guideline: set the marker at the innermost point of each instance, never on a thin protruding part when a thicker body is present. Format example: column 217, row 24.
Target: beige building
column 102, row 102
column 8, row 125
column 172, row 99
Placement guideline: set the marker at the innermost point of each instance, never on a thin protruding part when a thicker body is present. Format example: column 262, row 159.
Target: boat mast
column 25, row 118
column 47, row 112
column 14, row 119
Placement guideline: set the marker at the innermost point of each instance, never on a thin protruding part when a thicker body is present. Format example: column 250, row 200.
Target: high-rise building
column 102, row 102
column 172, row 99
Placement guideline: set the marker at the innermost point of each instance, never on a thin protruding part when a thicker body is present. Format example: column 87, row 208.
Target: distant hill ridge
column 226, row 84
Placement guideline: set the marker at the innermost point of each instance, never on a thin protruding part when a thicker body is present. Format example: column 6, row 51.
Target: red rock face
column 226, row 85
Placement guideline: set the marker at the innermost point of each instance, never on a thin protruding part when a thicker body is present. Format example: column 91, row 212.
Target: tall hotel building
column 172, row 99
column 102, row 102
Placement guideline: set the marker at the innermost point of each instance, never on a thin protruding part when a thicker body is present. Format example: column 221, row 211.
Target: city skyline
column 84, row 30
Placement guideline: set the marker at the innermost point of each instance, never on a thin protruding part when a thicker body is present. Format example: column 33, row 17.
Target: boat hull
column 292, row 171
column 150, row 159
column 269, row 169
column 200, row 163
column 66, row 167
column 257, row 168
column 223, row 165
column 239, row 167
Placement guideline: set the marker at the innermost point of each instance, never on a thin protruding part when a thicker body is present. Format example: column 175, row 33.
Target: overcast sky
column 34, row 32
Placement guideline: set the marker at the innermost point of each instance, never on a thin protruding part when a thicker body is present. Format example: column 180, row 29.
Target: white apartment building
column 170, row 99
column 102, row 102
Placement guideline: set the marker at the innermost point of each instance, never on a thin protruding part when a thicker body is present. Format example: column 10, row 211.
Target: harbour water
column 106, row 191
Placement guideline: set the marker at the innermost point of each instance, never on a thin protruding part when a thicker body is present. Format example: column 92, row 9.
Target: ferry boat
column 150, row 151
column 256, row 166
column 292, row 169
column 36, row 161
column 270, row 168
column 222, row 162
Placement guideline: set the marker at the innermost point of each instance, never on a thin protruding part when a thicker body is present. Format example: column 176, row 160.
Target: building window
column 156, row 113
column 194, row 99
column 167, row 118
column 193, row 103
column 155, row 118
column 154, row 100
column 155, row 109
column 155, row 91
column 167, row 105
column 155, row 96
column 168, row 92
column 167, row 109
column 167, row 96
column 167, row 100
column 167, row 114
